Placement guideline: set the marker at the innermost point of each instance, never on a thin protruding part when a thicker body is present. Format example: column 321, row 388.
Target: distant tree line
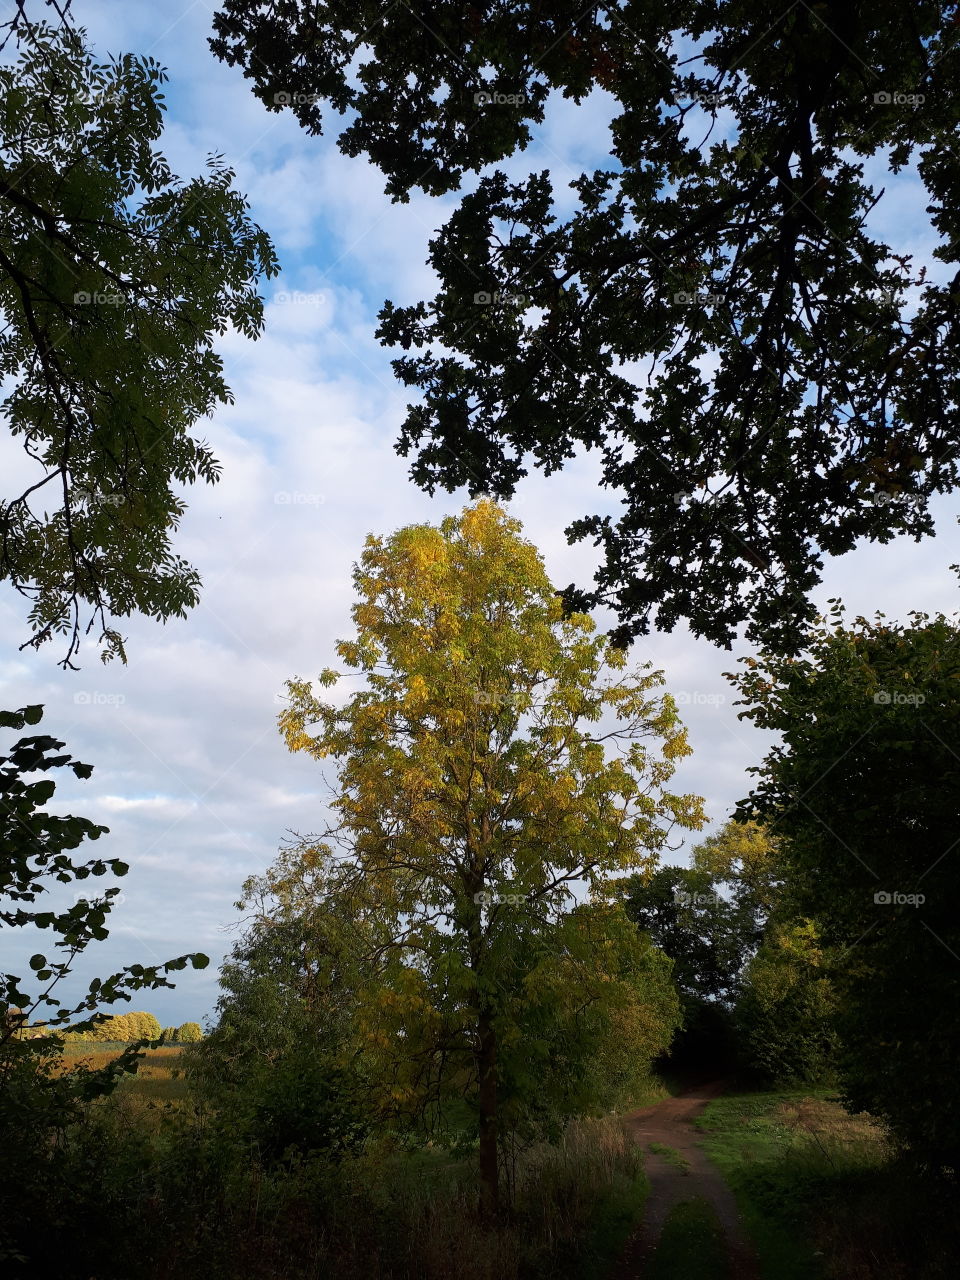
column 137, row 1026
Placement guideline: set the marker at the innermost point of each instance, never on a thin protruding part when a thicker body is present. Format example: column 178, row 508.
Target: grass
column 692, row 1245
column 574, row 1206
column 657, row 1087
column 822, row 1192
column 199, row 1202
column 616, row 1216
column 671, row 1155
column 158, row 1078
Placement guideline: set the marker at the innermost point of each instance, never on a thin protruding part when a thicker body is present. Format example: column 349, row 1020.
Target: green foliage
column 188, row 1033
column 708, row 918
column 786, row 1012
column 703, row 933
column 865, row 789
column 595, row 1008
column 793, row 400
column 278, row 1062
column 475, row 787
column 116, row 278
column 38, row 1099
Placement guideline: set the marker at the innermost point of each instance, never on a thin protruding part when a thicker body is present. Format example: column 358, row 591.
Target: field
column 158, row 1079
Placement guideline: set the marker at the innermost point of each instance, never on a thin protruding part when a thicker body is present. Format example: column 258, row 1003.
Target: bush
column 786, row 1013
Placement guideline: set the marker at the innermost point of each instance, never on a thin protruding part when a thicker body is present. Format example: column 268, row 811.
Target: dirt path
column 669, row 1123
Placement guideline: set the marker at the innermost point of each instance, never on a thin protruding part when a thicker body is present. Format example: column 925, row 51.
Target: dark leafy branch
column 765, row 380
column 110, row 303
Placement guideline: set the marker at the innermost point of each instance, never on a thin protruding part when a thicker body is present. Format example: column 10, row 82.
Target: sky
column 190, row 774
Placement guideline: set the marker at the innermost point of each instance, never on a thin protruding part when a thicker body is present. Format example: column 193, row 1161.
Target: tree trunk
column 489, row 1163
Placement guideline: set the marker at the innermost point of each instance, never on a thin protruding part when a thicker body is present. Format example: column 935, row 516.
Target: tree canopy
column 116, row 277
column 864, row 788
column 765, row 378
column 496, row 756
column 709, row 917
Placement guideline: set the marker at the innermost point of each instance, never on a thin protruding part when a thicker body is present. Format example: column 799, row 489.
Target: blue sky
column 190, row 773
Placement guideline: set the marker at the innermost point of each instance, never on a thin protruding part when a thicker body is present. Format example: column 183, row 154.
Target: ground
column 679, row 1171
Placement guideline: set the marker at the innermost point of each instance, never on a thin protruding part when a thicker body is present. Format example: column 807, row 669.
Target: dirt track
column 669, row 1123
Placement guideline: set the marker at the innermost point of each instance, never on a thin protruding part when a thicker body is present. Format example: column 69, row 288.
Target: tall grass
column 159, row 1077
column 163, row 1188
column 827, row 1195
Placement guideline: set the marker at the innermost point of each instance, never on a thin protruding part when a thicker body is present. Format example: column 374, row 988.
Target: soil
column 670, row 1123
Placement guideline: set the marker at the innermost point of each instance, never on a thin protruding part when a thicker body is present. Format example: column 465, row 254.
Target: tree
column 830, row 416
column 744, row 857
column 143, row 1026
column 282, row 1059
column 786, row 1012
column 685, row 916
column 495, row 757
column 865, row 789
column 708, row 918
column 116, row 278
column 39, row 1099
column 596, row 1007
column 189, row 1033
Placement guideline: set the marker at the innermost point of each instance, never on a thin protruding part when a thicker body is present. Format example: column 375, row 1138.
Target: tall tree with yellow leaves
column 497, row 771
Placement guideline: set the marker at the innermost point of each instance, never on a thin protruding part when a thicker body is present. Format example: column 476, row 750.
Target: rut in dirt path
column 670, row 1123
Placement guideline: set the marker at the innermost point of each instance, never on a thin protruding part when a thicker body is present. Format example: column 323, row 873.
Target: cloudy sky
column 190, row 774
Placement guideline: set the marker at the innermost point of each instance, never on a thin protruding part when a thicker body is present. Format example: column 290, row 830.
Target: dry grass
column 556, row 1193
column 158, row 1077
